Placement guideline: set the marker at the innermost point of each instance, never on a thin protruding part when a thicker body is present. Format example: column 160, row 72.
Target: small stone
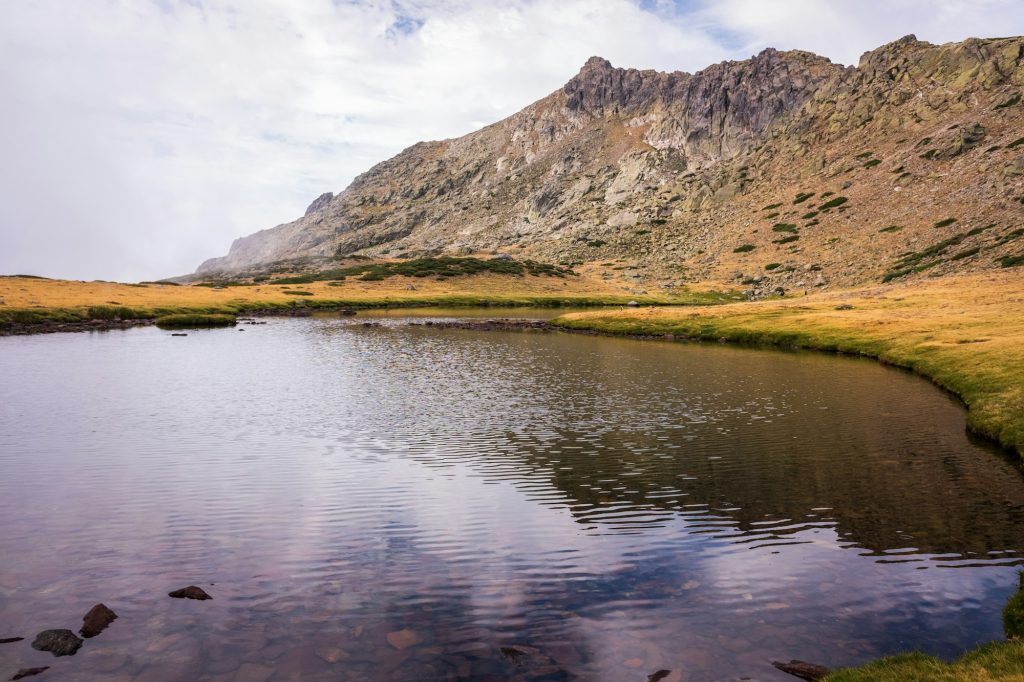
column 403, row 639
column 97, row 620
column 29, row 672
column 253, row 672
column 57, row 642
column 10, row 640
column 658, row 676
column 190, row 592
column 331, row 654
column 633, row 304
column 802, row 669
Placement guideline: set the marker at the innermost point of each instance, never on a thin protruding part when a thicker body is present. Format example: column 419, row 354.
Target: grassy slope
column 28, row 300
column 965, row 333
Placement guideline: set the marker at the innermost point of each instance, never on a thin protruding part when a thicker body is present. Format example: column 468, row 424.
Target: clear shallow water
column 606, row 507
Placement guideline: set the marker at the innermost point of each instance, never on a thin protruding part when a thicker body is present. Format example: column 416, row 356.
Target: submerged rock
column 190, row 592
column 802, row 669
column 403, row 639
column 57, row 642
column 29, row 672
column 97, row 620
column 10, row 640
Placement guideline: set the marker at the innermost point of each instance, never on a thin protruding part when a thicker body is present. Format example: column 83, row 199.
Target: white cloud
column 140, row 137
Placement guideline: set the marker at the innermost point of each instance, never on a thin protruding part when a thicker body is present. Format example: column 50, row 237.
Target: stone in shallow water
column 97, row 620
column 10, row 640
column 57, row 642
column 190, row 592
column 331, row 654
column 802, row 669
column 29, row 672
column 403, row 639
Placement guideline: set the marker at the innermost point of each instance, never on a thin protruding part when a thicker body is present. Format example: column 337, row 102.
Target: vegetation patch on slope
column 441, row 266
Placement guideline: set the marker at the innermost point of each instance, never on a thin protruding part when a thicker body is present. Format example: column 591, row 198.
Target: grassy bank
column 28, row 301
column 964, row 333
column 997, row 661
column 194, row 321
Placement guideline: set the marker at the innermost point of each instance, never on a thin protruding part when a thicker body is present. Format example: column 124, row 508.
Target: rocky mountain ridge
column 781, row 170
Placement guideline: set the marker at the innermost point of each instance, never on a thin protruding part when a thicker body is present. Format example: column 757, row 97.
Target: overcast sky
column 140, row 137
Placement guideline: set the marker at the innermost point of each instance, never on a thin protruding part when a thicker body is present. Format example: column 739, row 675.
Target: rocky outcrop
column 668, row 172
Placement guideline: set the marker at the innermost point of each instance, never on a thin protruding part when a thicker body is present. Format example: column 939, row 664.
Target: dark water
column 601, row 508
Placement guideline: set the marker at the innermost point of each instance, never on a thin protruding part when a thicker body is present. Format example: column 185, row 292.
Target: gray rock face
column 618, row 153
column 320, row 202
column 57, row 642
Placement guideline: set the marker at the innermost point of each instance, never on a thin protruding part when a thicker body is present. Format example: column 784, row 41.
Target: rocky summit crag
column 781, row 170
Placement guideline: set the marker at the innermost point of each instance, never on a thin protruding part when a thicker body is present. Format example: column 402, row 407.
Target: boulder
column 57, row 642
column 190, row 592
column 802, row 669
column 97, row 620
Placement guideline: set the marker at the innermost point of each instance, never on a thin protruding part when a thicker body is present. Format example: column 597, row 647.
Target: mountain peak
column 670, row 172
column 597, row 64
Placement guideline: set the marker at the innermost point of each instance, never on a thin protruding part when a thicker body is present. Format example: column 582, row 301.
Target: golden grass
column 28, row 293
column 966, row 333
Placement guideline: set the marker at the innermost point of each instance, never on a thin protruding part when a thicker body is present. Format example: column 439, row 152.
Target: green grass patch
column 785, row 227
column 809, row 215
column 864, row 155
column 918, row 261
column 772, row 266
column 297, row 292
column 832, row 203
column 774, row 214
column 1010, row 236
column 299, row 279
column 966, row 253
column 744, row 248
column 945, row 222
column 440, row 266
column 771, row 206
column 1016, row 143
column 1013, row 613
column 891, row 228
column 801, row 197
column 786, row 240
column 195, row 321
column 872, row 163
column 1011, row 261
column 996, row 661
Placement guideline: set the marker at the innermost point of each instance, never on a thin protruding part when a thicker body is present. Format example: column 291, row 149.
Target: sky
column 140, row 137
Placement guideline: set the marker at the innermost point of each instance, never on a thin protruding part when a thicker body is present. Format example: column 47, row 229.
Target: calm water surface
column 405, row 503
